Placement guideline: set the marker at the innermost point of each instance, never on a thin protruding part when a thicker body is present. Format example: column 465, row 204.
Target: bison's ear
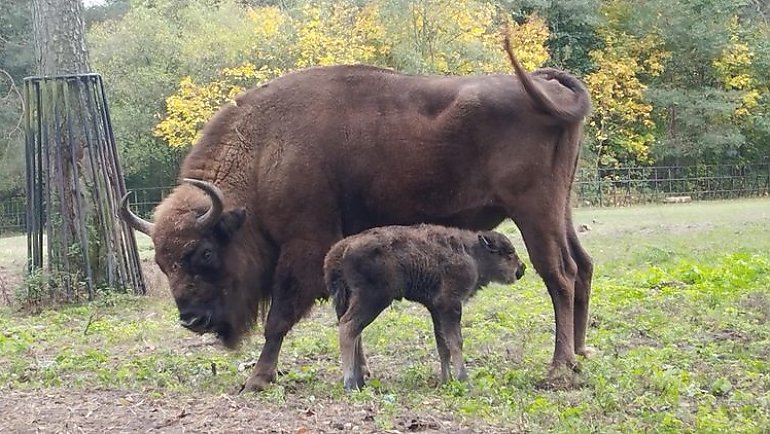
column 488, row 243
column 230, row 222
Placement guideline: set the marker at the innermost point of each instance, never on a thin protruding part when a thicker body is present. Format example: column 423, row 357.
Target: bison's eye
column 206, row 258
column 206, row 255
column 202, row 260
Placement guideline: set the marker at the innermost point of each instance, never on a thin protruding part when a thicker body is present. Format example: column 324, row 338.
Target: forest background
column 674, row 82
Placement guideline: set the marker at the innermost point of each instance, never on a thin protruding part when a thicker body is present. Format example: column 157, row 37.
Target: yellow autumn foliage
column 621, row 120
column 529, row 41
column 464, row 37
column 452, row 37
column 187, row 111
column 334, row 32
column 733, row 68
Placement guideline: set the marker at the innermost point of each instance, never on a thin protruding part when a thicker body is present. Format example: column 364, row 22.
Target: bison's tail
column 335, row 280
column 573, row 112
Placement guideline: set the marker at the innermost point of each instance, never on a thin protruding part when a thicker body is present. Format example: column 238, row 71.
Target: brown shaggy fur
column 327, row 152
column 436, row 266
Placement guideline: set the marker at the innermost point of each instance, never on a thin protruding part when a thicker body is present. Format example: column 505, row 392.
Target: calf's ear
column 230, row 222
column 488, row 243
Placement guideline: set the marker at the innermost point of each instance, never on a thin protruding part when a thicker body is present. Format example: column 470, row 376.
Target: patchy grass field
column 680, row 316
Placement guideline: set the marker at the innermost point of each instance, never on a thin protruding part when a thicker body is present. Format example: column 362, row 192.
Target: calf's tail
column 335, row 280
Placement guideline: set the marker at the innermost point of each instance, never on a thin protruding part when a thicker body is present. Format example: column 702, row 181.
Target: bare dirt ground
column 114, row 411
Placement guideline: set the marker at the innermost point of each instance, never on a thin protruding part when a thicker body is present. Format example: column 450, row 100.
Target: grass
column 680, row 316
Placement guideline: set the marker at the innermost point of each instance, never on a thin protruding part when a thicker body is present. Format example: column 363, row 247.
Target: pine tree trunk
column 60, row 43
column 60, row 49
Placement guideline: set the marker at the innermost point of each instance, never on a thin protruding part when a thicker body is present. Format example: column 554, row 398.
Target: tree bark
column 60, row 49
column 60, row 43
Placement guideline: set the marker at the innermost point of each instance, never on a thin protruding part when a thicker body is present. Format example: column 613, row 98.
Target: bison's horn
column 132, row 219
column 212, row 215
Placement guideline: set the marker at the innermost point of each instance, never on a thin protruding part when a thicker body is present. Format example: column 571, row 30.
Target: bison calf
column 436, row 266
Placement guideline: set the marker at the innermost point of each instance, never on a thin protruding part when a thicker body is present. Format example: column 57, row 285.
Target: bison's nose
column 520, row 271
column 195, row 321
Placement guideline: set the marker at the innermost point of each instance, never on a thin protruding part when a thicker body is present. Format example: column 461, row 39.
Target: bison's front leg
column 297, row 283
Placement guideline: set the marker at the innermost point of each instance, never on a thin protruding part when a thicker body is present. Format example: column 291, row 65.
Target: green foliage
column 431, row 37
column 672, row 82
column 33, row 291
column 572, row 26
column 699, row 125
column 16, row 62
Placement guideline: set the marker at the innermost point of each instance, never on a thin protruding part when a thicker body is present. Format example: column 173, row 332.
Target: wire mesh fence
column 623, row 186
column 13, row 214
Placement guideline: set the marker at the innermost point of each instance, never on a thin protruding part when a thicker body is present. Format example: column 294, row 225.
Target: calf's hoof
column 257, row 382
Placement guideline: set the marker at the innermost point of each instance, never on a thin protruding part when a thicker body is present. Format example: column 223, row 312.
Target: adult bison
column 298, row 163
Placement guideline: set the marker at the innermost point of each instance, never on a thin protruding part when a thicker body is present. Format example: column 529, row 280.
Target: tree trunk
column 60, row 49
column 60, row 43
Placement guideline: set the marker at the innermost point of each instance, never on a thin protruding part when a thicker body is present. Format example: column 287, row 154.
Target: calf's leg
column 451, row 316
column 298, row 282
column 365, row 306
column 441, row 345
column 361, row 358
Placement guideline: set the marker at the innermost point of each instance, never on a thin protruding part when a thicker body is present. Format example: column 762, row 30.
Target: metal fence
column 639, row 185
column 13, row 214
column 622, row 186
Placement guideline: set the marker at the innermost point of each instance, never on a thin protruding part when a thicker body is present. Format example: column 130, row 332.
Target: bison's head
column 193, row 236
column 497, row 259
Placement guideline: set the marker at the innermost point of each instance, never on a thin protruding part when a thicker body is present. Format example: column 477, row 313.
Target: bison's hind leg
column 582, row 287
column 544, row 233
column 361, row 358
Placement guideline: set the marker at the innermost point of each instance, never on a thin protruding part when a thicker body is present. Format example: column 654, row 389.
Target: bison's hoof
column 562, row 376
column 257, row 383
column 587, row 352
column 462, row 376
column 353, row 383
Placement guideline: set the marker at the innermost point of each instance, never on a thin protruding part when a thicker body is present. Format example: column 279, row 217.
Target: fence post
column 599, row 184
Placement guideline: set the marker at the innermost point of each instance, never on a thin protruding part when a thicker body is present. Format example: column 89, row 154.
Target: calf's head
column 193, row 237
column 497, row 259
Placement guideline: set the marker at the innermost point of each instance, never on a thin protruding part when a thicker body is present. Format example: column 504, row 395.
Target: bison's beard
column 243, row 306
column 229, row 338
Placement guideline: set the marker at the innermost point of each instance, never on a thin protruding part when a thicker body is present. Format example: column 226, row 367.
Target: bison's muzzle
column 195, row 322
column 209, row 318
